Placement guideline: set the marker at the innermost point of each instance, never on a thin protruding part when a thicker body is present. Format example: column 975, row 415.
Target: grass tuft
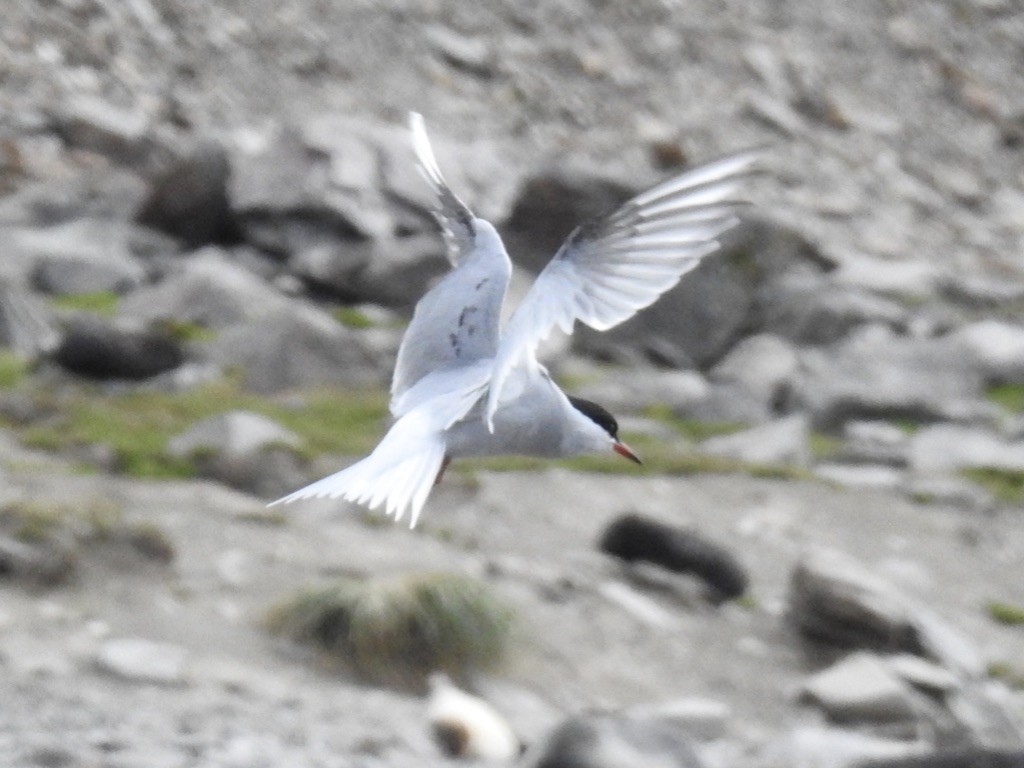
column 400, row 629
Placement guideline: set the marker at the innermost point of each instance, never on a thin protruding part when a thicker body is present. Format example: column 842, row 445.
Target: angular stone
column 210, row 289
column 189, row 200
column 784, row 441
column 143, row 661
column 615, row 741
column 861, row 688
column 97, row 349
column 875, row 374
column 231, row 434
column 763, row 365
column 808, row 310
column 998, row 347
column 948, row 447
column 295, row 348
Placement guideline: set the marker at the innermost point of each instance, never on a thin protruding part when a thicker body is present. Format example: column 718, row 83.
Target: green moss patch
column 137, row 425
column 13, row 369
column 1007, row 485
column 102, row 303
column 1005, row 613
column 1009, row 396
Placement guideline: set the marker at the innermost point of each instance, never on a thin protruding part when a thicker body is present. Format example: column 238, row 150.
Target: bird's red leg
column 444, row 466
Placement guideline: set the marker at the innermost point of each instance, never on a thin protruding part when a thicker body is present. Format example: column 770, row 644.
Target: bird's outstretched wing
column 613, row 266
column 457, row 322
column 453, row 216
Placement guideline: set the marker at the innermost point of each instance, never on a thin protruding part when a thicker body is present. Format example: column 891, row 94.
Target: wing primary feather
column 610, row 268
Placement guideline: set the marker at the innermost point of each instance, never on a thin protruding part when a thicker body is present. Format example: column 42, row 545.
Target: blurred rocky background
column 211, row 236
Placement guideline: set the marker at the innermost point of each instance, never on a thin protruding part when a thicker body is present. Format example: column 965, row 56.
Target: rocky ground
column 212, row 232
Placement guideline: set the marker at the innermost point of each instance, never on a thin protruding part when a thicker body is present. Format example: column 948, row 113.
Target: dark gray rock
column 633, row 537
column 609, row 741
column 875, row 374
column 189, row 200
column 294, row 348
column 336, row 267
column 550, row 206
column 96, row 349
column 835, row 600
column 807, row 309
column 400, row 271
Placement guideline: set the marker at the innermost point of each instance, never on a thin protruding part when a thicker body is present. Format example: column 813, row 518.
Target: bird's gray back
column 458, row 320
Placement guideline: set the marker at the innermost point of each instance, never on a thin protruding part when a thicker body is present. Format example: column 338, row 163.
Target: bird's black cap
column 596, row 414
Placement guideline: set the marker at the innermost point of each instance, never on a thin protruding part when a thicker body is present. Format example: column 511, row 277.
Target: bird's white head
column 593, row 430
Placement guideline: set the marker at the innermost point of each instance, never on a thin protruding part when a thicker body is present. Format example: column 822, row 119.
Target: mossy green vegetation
column 659, row 458
column 1012, row 675
column 691, row 429
column 400, row 629
column 352, row 317
column 1006, row 613
column 13, row 369
column 56, row 533
column 1009, row 396
column 102, row 303
column 1007, row 485
column 137, row 425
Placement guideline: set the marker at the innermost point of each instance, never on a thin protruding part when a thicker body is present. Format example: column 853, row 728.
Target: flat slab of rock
column 861, row 687
column 232, row 434
column 143, row 661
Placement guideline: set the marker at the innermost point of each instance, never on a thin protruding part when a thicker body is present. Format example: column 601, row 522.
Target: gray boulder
column 861, row 687
column 242, row 449
column 784, row 441
column 833, row 599
column 232, row 434
column 85, row 255
column 807, row 309
column 138, row 660
column 998, row 347
column 189, row 200
column 876, row 374
column 294, row 348
column 609, row 741
column 949, row 447
column 97, row 349
column 209, row 290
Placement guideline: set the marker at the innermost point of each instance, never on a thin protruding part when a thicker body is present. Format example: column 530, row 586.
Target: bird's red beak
column 623, row 450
